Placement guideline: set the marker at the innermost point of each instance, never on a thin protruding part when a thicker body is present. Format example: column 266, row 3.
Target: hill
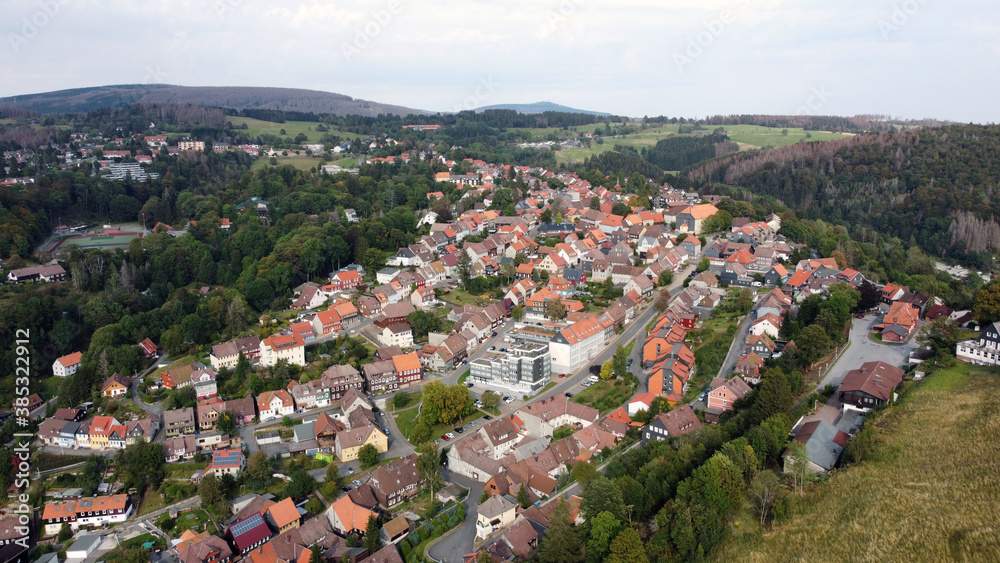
column 539, row 107
column 928, row 493
column 234, row 97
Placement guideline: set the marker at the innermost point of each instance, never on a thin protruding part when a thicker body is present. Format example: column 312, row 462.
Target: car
column 469, row 385
column 492, row 348
column 503, row 349
column 445, row 438
column 487, row 417
column 464, row 362
column 350, row 470
column 472, row 423
column 628, row 363
column 756, row 284
column 562, row 375
column 586, row 384
column 460, row 430
column 449, row 435
column 569, row 395
column 345, row 489
column 861, row 316
column 356, row 482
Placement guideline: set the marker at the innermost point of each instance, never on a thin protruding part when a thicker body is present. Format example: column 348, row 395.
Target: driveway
column 452, row 547
column 864, row 349
column 736, row 347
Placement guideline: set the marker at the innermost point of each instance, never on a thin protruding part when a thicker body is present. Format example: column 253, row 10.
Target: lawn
column 299, row 162
column 460, row 297
column 548, row 386
column 197, row 520
column 928, row 492
column 184, row 470
column 406, row 419
column 292, row 128
column 144, row 538
column 151, row 501
column 605, row 396
column 179, row 362
column 50, row 386
column 463, row 377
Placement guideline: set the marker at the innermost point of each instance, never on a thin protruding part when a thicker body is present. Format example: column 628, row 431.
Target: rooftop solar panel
column 244, row 526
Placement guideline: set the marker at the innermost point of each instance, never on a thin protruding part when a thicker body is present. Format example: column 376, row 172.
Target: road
column 864, row 349
column 736, row 347
column 452, row 547
column 134, row 388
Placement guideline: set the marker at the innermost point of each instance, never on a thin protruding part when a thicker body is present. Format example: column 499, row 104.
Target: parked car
column 450, row 435
column 569, row 395
column 628, row 363
column 356, row 482
column 493, row 348
column 562, row 375
column 472, row 423
column 464, row 362
column 445, row 438
column 350, row 470
column 469, row 385
column 345, row 489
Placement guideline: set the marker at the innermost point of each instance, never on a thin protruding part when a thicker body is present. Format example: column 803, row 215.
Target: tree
column 607, row 370
column 374, row 260
column 490, row 399
column 332, row 475
column 561, row 543
column 301, row 485
column 420, row 433
column 813, row 343
column 401, row 399
column 602, row 495
column 745, row 299
column 940, row 337
column 546, row 216
column 211, row 495
column 373, row 541
column 258, row 471
column 666, row 278
column 763, row 491
column 774, row 396
column 595, row 203
column 464, row 269
column 620, row 361
column 870, row 296
column 522, row 497
column 663, row 301
column 65, row 532
column 141, row 465
column 797, row 461
column 368, row 456
column 226, row 423
column 583, row 473
column 316, row 555
column 627, row 548
column 603, row 530
column 986, row 308
column 429, row 465
column 423, row 322
column 703, row 265
column 620, row 209
column 517, row 312
column 722, row 220
column 555, row 310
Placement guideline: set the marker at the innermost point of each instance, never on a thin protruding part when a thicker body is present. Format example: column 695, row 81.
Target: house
column 398, row 334
column 725, row 392
column 497, row 512
column 424, row 298
column 248, row 534
column 45, row 274
column 283, row 515
column 205, row 549
column 749, row 366
column 407, row 368
column 115, row 386
column 891, row 292
column 348, row 443
column 682, row 420
column 691, row 219
column 396, row 481
column 67, row 365
column 870, row 386
column 275, row 404
column 288, row 347
column 776, row 274
column 899, row 322
column 769, row 324
column 244, row 409
column 642, row 402
column 226, row 462
column 641, row 285
column 348, row 518
column 309, row 296
column 388, row 554
column 83, row 547
column 575, row 345
column 542, row 417
column 178, row 421
column 148, row 348
column 89, row 511
column 395, row 530
column 228, row 353
column 310, row 395
column 824, row 443
column 981, row 351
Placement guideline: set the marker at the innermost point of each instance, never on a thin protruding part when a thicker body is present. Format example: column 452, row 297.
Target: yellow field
column 929, row 493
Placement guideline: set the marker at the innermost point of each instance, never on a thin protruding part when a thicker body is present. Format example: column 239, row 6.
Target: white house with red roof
column 275, row 404
column 67, row 365
column 288, row 347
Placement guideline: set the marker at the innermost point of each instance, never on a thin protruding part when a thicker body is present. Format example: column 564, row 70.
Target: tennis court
column 104, row 242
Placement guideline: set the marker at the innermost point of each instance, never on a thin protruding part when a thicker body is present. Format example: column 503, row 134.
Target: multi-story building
column 288, row 347
column 275, row 404
column 226, row 462
column 525, row 368
column 982, row 351
column 90, row 511
column 341, row 378
column 179, row 421
column 67, row 365
column 577, row 344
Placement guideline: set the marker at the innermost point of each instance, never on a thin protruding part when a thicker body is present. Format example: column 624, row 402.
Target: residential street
column 736, row 347
column 452, row 547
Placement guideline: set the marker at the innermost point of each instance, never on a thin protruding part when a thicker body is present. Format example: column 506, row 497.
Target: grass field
column 196, row 520
column 748, row 136
column 302, row 162
column 605, row 396
column 103, row 242
column 407, row 419
column 179, row 362
column 929, row 492
column 292, row 128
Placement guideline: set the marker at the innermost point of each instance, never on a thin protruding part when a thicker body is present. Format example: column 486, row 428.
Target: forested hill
column 235, row 97
column 936, row 187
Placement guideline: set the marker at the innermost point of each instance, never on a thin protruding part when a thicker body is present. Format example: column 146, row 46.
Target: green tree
column 797, row 462
column 210, row 491
column 464, row 269
column 813, row 343
column 301, row 485
column 423, row 322
column 429, row 465
column 226, row 423
column 666, row 278
column 561, row 543
column 141, row 465
column 258, row 470
column 65, row 532
column 763, row 492
column 373, row 541
column 774, row 396
column 368, row 456
column 602, row 495
column 522, row 497
column 401, row 399
column 332, row 476
column 374, row 260
column 703, row 265
column 620, row 361
column 490, row 399
column 627, row 548
column 517, row 313
column 316, row 555
column 722, row 220
column 555, row 310
column 604, row 528
column 420, row 433
column 583, row 473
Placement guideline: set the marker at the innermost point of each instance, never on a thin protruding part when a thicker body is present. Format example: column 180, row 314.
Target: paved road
column 736, row 347
column 452, row 547
column 864, row 349
column 134, row 388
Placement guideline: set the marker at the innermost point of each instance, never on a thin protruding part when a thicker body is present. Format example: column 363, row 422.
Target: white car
column 592, row 379
column 450, row 435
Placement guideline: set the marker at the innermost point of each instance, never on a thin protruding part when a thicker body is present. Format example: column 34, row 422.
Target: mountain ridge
column 539, row 107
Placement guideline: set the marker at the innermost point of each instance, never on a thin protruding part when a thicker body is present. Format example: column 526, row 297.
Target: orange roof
column 800, row 278
column 526, row 268
column 621, row 416
column 264, row 402
column 345, row 308
column 780, row 269
column 283, row 513
column 406, row 362
column 743, row 256
column 71, row 359
column 351, row 516
column 703, row 211
column 281, row 341
column 262, row 554
column 902, row 313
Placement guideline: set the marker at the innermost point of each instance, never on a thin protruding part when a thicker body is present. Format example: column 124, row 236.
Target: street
column 864, row 349
column 452, row 547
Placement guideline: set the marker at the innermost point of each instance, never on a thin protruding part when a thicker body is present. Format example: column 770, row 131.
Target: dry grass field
column 930, row 493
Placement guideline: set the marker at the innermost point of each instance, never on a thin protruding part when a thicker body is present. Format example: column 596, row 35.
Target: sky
column 909, row 59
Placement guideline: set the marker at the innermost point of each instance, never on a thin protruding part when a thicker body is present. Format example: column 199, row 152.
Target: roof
column 679, row 421
column 227, row 458
column 116, row 378
column 495, row 506
column 406, row 362
column 70, row 359
column 877, row 379
column 388, row 554
column 283, row 513
column 702, row 211
column 823, row 441
column 350, row 515
column 249, row 531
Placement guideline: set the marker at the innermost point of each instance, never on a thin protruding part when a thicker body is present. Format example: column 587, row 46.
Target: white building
column 283, row 346
column 983, row 351
column 524, row 369
column 66, row 365
column 275, row 404
column 399, row 334
column 497, row 512
column 576, row 345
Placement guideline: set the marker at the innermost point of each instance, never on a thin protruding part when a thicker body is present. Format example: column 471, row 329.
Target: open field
column 748, row 136
column 302, row 162
column 292, row 128
column 605, row 396
column 928, row 492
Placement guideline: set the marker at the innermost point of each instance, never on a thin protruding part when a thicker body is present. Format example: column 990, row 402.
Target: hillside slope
column 539, row 107
column 235, row 97
column 930, row 493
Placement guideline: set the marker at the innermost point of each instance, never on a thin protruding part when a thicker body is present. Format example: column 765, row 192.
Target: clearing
column 929, row 492
column 292, row 129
